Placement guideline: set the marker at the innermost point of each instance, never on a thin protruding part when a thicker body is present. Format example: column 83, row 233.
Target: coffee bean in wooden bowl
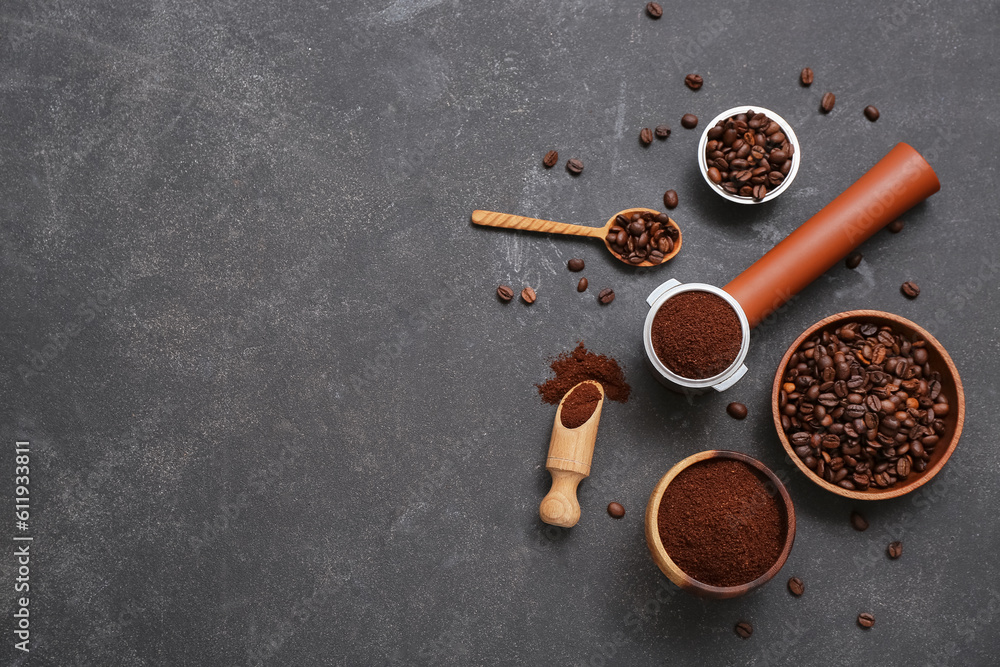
column 868, row 404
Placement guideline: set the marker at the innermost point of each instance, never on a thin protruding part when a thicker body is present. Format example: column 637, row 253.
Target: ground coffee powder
column 580, row 405
column 721, row 522
column 572, row 368
column 696, row 334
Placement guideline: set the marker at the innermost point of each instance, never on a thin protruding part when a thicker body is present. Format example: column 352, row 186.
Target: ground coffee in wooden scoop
column 580, row 405
column 696, row 334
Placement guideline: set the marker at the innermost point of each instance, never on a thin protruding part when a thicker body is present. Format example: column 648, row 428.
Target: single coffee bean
column 744, row 629
column 654, row 10
column 616, row 510
column 670, row 199
column 859, row 522
column 575, row 166
column 759, row 192
column 896, row 226
column 807, row 76
column 505, row 293
column 582, row 285
column 871, row 113
column 646, row 136
column 796, row 586
column 662, row 131
column 853, row 260
column 693, row 81
column 550, row 159
column 575, row 264
column 606, row 296
column 714, row 175
column 895, row 550
column 866, row 620
column 826, row 104
column 528, row 295
column 737, row 410
column 689, row 121
column 910, row 289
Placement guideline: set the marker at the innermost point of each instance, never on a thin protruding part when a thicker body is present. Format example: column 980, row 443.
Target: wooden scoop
column 570, row 453
column 491, row 219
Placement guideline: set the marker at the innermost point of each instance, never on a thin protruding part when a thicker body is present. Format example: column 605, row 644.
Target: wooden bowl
column 682, row 578
column 951, row 387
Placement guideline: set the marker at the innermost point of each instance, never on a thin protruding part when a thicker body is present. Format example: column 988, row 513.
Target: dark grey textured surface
column 294, row 426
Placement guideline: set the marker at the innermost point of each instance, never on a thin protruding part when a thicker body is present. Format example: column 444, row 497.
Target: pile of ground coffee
column 697, row 334
column 580, row 405
column 572, row 368
column 719, row 523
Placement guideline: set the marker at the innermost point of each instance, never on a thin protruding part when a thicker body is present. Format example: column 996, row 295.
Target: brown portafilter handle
column 894, row 185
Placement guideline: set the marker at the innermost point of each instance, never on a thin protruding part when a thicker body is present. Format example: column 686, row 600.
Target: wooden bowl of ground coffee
column 720, row 524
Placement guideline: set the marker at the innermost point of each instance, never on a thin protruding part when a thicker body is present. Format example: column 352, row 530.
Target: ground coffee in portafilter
column 721, row 522
column 579, row 405
column 697, row 334
column 573, row 367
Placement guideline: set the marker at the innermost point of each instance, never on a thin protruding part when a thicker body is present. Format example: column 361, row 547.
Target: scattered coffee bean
column 654, row 10
column 689, row 121
column 737, row 410
column 871, row 113
column 896, row 226
column 528, row 295
column 694, row 81
column 575, row 264
column 866, row 620
column 748, row 154
column 826, row 104
column 616, row 510
column 853, row 260
column 582, row 285
column 643, row 237
column 606, row 296
column 895, row 550
column 744, row 629
column 505, row 293
column 575, row 166
column 662, row 131
column 807, row 76
column 670, row 199
column 550, row 159
column 858, row 521
column 646, row 136
column 910, row 289
column 859, row 398
column 796, row 586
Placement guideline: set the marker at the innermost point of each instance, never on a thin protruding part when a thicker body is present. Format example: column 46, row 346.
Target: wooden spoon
column 492, row 219
column 570, row 453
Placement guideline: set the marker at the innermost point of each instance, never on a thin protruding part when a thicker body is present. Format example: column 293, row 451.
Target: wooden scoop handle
column 493, row 219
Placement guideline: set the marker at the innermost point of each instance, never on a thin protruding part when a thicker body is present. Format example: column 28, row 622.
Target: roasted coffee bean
column 575, row 264
column 654, row 10
column 744, row 629
column 528, row 295
column 714, row 175
column 737, row 410
column 826, row 104
column 616, row 510
column 505, row 293
column 896, row 226
column 866, row 620
column 796, row 586
column 806, row 77
column 550, row 159
column 759, row 192
column 582, row 285
column 646, row 136
column 910, row 289
column 895, row 550
column 853, row 260
column 662, row 131
column 693, row 81
column 606, row 296
column 858, row 521
column 574, row 166
column 689, row 121
column 670, row 199
column 871, row 113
